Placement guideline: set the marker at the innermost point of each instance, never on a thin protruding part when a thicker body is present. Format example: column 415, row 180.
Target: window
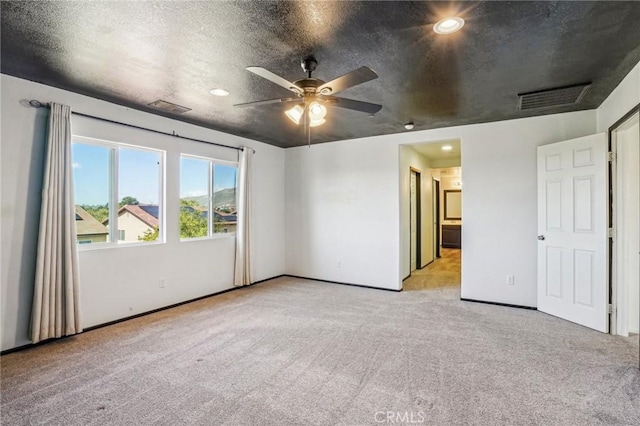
column 224, row 198
column 117, row 183
column 207, row 197
column 92, row 188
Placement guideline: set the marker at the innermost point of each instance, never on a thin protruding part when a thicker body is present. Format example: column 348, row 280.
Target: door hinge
column 610, row 308
column 611, row 156
column 610, row 233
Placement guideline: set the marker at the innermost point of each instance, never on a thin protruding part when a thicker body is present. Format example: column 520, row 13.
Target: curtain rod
column 37, row 104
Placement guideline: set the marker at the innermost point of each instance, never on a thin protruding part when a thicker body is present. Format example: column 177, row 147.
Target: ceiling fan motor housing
column 309, row 85
column 309, row 64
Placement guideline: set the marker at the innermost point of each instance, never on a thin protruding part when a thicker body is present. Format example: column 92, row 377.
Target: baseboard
column 95, row 327
column 34, row 345
column 341, row 283
column 425, row 265
column 266, row 279
column 499, row 304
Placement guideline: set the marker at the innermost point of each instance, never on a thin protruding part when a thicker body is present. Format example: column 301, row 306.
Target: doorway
column 415, row 219
column 443, row 271
column 625, row 221
column 422, row 260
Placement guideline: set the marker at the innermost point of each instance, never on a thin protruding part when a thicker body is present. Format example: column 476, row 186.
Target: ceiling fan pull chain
column 307, row 123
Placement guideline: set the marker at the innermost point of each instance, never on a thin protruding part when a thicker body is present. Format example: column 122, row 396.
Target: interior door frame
column 436, row 217
column 418, row 219
column 611, row 170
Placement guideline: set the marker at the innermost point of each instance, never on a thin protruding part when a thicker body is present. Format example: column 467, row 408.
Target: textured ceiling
column 133, row 53
column 433, row 151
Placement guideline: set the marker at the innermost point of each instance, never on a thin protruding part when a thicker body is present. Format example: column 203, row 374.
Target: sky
column 138, row 175
column 194, row 177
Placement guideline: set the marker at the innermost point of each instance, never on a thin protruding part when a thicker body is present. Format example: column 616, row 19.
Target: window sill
column 221, row 235
column 103, row 246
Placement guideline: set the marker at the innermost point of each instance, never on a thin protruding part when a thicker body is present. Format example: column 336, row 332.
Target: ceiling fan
column 312, row 94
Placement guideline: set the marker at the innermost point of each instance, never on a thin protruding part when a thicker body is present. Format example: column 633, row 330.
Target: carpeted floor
column 296, row 352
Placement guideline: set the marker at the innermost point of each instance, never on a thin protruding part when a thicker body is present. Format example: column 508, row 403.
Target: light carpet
column 299, row 352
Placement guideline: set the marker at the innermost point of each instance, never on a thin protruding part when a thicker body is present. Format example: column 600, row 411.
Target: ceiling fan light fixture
column 295, row 113
column 219, row 92
column 317, row 111
column 448, row 25
column 314, row 123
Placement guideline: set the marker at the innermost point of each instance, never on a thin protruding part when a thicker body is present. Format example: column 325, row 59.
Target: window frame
column 113, row 193
column 210, row 217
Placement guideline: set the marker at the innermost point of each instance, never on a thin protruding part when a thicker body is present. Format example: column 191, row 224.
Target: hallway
column 442, row 273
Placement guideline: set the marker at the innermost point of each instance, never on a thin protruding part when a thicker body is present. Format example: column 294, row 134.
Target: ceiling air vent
column 568, row 95
column 169, row 107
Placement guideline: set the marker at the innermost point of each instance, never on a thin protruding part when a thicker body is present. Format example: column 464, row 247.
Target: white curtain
column 56, row 310
column 243, row 227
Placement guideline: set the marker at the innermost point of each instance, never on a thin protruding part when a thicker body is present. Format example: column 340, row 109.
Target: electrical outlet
column 339, row 264
column 510, row 280
column 161, row 283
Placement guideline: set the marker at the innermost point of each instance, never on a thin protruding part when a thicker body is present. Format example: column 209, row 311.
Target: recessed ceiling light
column 408, row 126
column 447, row 148
column 219, row 92
column 448, row 25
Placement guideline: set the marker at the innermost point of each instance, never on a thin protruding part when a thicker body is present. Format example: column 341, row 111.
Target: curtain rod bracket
column 37, row 104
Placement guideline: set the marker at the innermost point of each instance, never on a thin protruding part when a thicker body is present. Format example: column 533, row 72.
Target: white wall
column 411, row 158
column 342, row 212
column 343, row 205
column 120, row 282
column 623, row 98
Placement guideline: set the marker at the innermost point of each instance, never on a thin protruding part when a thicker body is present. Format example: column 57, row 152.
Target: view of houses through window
column 130, row 178
column 207, row 197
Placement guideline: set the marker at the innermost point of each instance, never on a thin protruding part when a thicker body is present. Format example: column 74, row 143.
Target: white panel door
column 572, row 231
column 413, row 221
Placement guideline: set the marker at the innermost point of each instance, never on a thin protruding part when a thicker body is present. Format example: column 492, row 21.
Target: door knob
column 541, row 237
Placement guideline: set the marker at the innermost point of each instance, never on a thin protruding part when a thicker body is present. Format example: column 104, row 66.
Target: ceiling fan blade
column 269, row 101
column 353, row 78
column 355, row 105
column 274, row 78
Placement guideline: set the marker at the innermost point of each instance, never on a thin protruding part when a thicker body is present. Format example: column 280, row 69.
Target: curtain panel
column 56, row 310
column 243, row 268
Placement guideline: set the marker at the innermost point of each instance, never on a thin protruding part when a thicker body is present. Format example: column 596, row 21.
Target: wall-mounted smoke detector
column 568, row 95
column 169, row 107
